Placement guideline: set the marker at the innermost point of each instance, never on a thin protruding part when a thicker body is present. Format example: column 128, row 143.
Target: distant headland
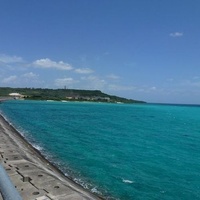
column 62, row 95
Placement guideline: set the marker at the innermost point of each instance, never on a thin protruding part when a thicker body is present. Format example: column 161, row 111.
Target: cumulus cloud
column 113, row 76
column 9, row 79
column 30, row 75
column 94, row 82
column 31, row 79
column 10, row 59
column 98, row 83
column 84, row 71
column 47, row 63
column 60, row 82
column 176, row 34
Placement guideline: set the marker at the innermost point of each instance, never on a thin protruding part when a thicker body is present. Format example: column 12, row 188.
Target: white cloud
column 10, row 59
column 113, row 76
column 97, row 83
column 47, row 63
column 9, row 79
column 84, row 71
column 176, row 34
column 191, row 83
column 30, row 79
column 30, row 75
column 196, row 78
column 61, row 82
column 94, row 82
column 153, row 88
column 114, row 87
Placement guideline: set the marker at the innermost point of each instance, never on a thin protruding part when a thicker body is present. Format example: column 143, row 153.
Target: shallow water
column 141, row 152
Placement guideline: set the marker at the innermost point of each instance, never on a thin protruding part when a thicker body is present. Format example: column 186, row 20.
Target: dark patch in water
column 186, row 135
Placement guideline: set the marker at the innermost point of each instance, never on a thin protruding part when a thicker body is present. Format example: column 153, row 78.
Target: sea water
column 120, row 151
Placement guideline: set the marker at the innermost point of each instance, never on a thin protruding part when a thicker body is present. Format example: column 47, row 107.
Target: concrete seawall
column 32, row 175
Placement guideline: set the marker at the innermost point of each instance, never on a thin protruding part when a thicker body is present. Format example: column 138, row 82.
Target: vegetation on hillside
column 64, row 94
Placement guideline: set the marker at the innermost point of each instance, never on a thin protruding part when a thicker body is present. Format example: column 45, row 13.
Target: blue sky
column 141, row 49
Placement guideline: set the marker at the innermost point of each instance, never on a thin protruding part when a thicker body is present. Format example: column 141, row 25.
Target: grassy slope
column 61, row 94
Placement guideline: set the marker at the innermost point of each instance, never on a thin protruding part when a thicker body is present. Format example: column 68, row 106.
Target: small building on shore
column 16, row 95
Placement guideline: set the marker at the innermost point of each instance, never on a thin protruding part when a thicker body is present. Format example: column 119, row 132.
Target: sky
column 139, row 49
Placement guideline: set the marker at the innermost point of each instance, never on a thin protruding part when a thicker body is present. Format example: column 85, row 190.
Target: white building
column 16, row 95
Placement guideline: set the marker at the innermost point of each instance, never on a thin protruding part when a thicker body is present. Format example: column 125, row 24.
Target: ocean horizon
column 118, row 151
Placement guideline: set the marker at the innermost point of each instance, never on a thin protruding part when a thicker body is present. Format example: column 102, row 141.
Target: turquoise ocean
column 120, row 151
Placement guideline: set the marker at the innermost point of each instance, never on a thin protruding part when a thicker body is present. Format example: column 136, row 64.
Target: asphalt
column 32, row 175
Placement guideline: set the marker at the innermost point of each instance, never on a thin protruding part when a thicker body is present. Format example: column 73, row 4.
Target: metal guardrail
column 7, row 189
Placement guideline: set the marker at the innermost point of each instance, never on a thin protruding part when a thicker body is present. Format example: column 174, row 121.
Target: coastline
column 32, row 174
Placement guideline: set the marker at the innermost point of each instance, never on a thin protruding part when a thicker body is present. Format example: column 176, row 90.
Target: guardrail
column 7, row 189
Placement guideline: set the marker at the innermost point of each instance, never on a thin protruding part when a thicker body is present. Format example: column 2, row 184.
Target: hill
column 65, row 94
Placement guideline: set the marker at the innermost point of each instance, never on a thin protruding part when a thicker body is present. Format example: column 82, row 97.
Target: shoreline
column 14, row 144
